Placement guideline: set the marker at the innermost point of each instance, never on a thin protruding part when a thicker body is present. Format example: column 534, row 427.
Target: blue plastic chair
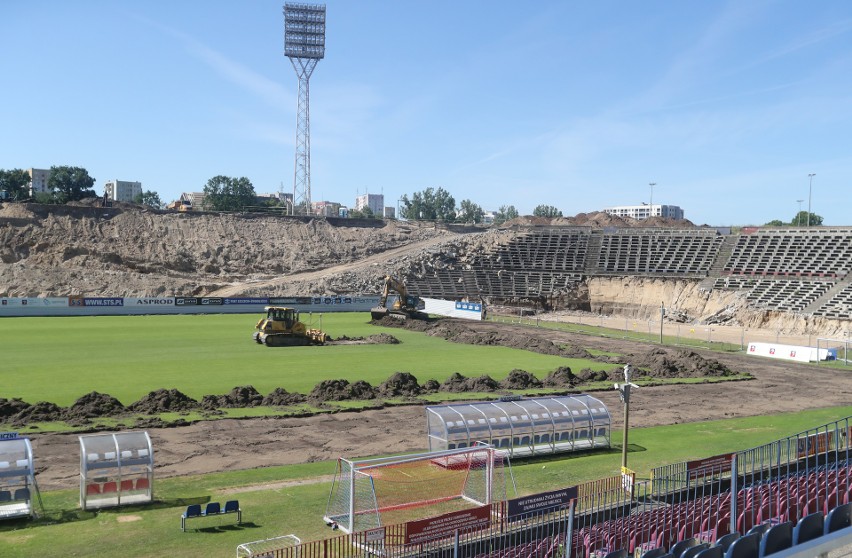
column 213, row 508
column 678, row 547
column 655, row 553
column 233, row 506
column 777, row 538
column 193, row 510
column 746, row 546
column 838, row 518
column 808, row 528
column 692, row 552
column 712, row 552
column 725, row 542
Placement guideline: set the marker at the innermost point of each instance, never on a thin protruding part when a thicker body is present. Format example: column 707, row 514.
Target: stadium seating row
column 786, row 295
column 673, row 252
column 548, row 249
column 811, row 252
column 838, row 306
column 707, row 519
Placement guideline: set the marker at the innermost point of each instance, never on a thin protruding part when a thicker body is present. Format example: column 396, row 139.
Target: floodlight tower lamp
column 304, row 45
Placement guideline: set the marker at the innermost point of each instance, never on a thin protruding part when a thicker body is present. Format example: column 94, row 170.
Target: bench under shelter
column 521, row 426
column 17, row 477
column 116, row 470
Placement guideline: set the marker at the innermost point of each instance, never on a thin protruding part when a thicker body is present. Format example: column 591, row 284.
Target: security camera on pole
column 624, row 394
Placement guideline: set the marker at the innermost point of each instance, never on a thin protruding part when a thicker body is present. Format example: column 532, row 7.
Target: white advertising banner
column 799, row 353
column 454, row 309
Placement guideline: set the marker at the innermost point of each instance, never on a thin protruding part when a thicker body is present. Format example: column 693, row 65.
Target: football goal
column 268, row 548
column 370, row 493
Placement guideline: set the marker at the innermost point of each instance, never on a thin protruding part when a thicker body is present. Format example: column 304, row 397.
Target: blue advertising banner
column 240, row 301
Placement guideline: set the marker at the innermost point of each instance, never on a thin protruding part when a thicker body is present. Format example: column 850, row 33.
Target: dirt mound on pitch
column 280, row 397
column 11, row 407
column 660, row 363
column 240, row 396
column 378, row 339
column 94, row 405
column 458, row 383
column 43, row 411
column 400, row 384
column 341, row 390
column 520, row 379
column 458, row 332
column 163, row 400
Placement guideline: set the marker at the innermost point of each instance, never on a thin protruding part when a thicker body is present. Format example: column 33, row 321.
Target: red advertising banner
column 710, row 465
column 443, row 526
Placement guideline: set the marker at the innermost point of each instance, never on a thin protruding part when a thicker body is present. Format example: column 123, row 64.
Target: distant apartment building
column 325, row 208
column 38, row 181
column 645, row 211
column 122, row 190
column 390, row 213
column 376, row 203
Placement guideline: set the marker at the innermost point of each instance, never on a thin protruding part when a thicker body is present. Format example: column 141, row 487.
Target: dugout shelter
column 116, row 469
column 522, row 427
column 17, row 478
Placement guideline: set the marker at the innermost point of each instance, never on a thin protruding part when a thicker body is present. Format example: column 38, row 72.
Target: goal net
column 370, row 493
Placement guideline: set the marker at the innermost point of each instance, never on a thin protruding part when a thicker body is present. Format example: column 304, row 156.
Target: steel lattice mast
column 304, row 45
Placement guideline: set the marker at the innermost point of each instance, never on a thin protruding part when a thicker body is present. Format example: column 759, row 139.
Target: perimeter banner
column 538, row 503
column 446, row 525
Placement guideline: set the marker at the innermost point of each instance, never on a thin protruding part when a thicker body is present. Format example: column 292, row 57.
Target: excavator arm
column 407, row 307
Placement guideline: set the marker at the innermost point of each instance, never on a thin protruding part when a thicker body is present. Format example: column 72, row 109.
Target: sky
column 726, row 106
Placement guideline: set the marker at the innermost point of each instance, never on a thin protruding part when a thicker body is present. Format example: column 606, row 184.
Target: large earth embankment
column 130, row 251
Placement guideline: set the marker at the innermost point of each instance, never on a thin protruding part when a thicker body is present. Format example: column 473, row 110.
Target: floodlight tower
column 304, row 45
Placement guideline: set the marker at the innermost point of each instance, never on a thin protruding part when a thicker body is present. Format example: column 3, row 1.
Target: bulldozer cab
column 288, row 316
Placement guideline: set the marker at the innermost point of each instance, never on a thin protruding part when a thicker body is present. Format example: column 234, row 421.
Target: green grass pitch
column 61, row 359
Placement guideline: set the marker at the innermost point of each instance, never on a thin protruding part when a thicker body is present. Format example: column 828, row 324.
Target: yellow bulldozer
column 281, row 328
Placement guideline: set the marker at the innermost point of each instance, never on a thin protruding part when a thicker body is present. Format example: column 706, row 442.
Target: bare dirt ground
column 224, row 445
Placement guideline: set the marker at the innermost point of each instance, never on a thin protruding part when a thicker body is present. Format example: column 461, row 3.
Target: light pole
column 651, row 207
column 799, row 214
column 810, row 189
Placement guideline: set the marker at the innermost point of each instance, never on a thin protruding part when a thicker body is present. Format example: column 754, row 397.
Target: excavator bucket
column 378, row 312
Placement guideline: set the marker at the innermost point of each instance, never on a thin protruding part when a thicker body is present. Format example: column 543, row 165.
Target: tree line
column 225, row 193
column 800, row 219
column 439, row 205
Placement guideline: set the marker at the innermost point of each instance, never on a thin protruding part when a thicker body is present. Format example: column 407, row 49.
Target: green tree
column 429, row 205
column 546, row 211
column 363, row 213
column 224, row 193
column 801, row 219
column 470, row 212
column 775, row 223
column 149, row 198
column 70, row 183
column 16, row 183
column 505, row 213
